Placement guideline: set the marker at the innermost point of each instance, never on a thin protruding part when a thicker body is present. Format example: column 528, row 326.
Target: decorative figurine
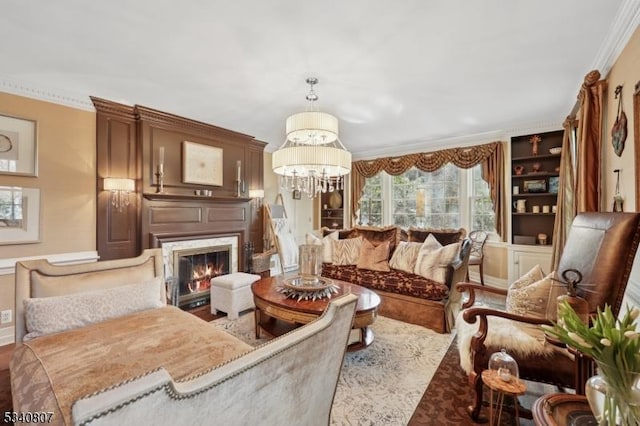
column 534, row 141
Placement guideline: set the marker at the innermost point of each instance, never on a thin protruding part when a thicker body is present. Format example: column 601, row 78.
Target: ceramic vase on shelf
column 614, row 396
column 335, row 200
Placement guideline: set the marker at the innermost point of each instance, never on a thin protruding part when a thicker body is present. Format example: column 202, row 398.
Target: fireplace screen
column 195, row 269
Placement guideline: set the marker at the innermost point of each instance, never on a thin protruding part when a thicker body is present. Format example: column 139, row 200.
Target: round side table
column 513, row 388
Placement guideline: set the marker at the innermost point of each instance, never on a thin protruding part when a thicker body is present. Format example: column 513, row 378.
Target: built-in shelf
column 528, row 223
column 534, row 175
column 534, row 194
column 536, row 157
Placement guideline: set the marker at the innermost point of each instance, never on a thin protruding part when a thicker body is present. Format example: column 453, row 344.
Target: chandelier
column 312, row 160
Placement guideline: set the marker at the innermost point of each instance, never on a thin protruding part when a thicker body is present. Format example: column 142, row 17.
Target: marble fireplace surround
column 169, row 246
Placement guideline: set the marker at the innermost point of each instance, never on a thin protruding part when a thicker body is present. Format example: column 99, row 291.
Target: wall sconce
column 120, row 189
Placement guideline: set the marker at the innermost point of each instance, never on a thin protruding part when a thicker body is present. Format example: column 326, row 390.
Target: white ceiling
column 401, row 76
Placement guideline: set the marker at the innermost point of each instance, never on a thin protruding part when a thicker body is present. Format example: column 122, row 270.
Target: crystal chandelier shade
column 312, row 159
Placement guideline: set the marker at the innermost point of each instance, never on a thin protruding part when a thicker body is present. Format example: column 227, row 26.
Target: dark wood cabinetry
column 129, row 141
column 534, row 181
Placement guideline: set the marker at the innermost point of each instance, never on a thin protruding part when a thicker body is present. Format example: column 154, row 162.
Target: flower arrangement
column 614, row 344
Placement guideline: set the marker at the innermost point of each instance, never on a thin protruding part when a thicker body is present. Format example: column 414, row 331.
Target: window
column 482, row 215
column 371, row 202
column 450, row 197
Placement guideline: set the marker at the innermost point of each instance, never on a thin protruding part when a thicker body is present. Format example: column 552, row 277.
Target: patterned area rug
column 383, row 383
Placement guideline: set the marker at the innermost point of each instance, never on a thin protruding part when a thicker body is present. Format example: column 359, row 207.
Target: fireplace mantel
column 199, row 198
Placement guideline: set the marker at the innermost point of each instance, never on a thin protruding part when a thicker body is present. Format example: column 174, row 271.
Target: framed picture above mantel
column 18, row 146
column 201, row 164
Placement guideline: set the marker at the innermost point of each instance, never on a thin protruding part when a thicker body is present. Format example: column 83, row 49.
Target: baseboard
column 7, row 335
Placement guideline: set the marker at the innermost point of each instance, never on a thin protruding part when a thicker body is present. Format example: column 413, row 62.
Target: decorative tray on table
column 301, row 289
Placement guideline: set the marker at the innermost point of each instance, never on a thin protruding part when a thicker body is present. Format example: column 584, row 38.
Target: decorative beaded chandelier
column 312, row 159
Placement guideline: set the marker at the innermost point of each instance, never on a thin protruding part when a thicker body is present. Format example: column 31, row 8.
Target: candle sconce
column 160, row 171
column 160, row 179
column 239, row 182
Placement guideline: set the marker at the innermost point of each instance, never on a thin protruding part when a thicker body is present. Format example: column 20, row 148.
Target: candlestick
column 161, row 156
column 239, row 166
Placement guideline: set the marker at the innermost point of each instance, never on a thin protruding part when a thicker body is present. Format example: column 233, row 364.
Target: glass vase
column 614, row 396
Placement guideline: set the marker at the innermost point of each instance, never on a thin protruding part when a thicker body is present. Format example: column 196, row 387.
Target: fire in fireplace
column 196, row 267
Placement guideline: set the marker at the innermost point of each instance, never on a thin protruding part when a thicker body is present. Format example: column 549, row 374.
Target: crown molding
column 47, row 94
column 411, row 147
column 622, row 28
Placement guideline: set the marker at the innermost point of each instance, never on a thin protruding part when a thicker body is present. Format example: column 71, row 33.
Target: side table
column 513, row 388
column 561, row 409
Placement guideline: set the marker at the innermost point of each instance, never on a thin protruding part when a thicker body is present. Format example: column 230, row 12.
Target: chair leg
column 481, row 273
column 476, row 383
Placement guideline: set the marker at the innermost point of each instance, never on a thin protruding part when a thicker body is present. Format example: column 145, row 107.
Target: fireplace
column 195, row 269
column 191, row 264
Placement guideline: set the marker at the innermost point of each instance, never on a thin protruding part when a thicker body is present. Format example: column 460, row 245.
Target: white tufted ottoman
column 231, row 293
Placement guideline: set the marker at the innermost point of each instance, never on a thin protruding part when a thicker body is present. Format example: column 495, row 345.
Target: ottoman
column 231, row 293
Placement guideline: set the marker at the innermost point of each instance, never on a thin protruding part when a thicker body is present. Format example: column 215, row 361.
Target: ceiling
column 401, row 76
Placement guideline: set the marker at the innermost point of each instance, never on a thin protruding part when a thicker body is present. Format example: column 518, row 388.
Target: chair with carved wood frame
column 476, row 258
column 602, row 246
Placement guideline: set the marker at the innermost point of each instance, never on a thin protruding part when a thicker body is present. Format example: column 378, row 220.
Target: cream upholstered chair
column 476, row 258
column 602, row 247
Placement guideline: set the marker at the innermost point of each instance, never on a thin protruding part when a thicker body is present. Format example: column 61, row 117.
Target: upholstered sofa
column 96, row 344
column 387, row 261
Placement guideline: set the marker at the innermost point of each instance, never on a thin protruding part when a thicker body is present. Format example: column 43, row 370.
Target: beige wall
column 625, row 72
column 66, row 179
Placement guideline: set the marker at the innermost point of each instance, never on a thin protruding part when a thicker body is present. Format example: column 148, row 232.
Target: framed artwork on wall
column 18, row 146
column 19, row 215
column 201, row 164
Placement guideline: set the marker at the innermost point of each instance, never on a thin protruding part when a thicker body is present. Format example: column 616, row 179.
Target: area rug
column 381, row 384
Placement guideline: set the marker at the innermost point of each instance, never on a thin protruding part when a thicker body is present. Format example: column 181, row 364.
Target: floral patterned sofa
column 413, row 271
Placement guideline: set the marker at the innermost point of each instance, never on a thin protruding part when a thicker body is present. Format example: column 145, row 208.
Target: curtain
column 566, row 208
column 465, row 158
column 493, row 174
column 590, row 114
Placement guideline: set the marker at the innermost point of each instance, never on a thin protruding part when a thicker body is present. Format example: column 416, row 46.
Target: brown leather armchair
column 602, row 246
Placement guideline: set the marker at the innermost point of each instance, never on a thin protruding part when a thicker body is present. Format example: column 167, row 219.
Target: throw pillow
column 346, row 252
column 535, row 274
column 377, row 235
column 531, row 299
column 46, row 315
column 434, row 264
column 327, row 248
column 405, row 256
column 374, row 258
column 443, row 235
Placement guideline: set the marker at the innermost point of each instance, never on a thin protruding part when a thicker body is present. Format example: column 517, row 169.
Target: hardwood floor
column 5, row 384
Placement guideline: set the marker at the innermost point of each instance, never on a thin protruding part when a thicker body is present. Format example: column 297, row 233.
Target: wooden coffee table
column 276, row 314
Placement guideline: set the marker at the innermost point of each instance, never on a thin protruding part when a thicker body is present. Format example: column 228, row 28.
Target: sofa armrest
column 457, row 271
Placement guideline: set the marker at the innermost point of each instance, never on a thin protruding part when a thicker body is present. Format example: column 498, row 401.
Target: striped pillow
column 346, row 252
column 405, row 256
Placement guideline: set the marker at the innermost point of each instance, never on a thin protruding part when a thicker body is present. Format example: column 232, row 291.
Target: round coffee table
column 276, row 314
